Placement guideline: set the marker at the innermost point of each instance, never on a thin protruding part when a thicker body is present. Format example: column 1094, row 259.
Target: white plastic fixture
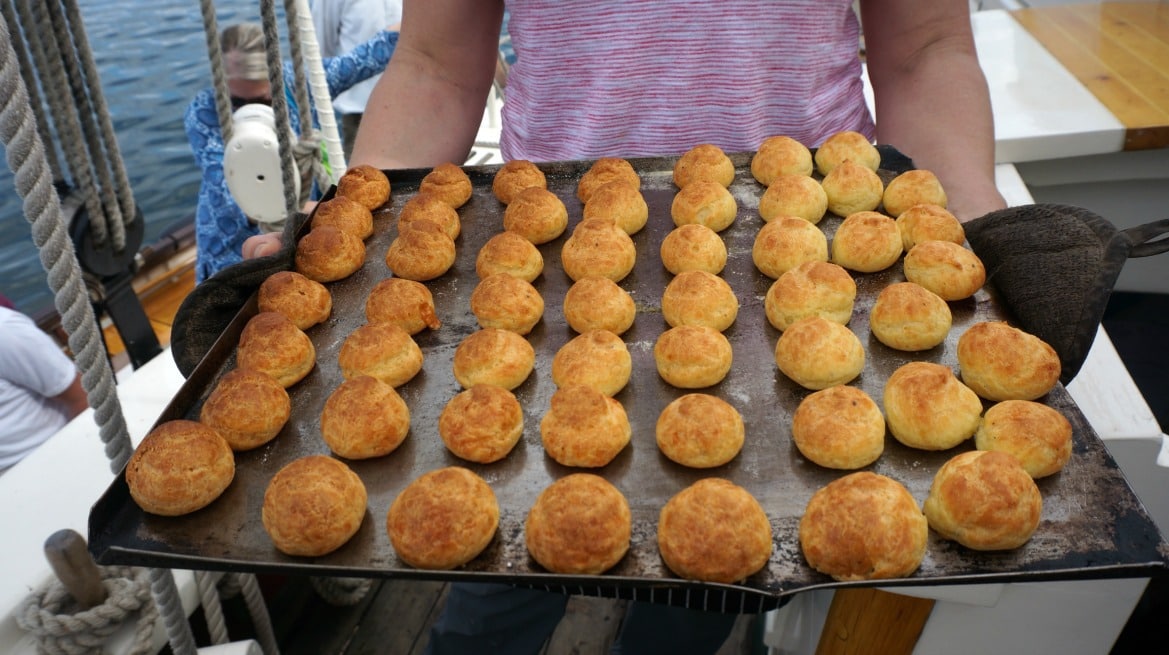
column 251, row 165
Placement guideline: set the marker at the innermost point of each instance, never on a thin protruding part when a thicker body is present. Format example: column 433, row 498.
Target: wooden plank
column 398, row 620
column 589, row 626
column 873, row 621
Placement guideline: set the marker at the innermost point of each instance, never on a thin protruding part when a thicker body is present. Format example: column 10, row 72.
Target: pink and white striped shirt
column 630, row 78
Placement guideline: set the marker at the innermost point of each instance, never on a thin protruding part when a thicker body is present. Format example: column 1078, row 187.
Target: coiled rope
column 61, row 626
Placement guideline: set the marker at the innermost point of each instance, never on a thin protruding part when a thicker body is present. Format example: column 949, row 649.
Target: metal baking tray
column 1093, row 526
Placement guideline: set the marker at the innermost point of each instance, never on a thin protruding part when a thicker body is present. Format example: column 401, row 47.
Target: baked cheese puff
column 181, row 466
column 602, row 172
column 431, row 208
column 306, row 302
column 508, row 303
column 493, row 356
column 699, row 298
column 422, row 251
column 927, row 407
column 852, row 188
column 271, row 344
column 817, row 353
column 907, row 316
column 449, row 182
column 913, row 188
column 984, row 500
column 620, row 202
column 327, row 254
column 693, row 247
column 1002, row 362
column 847, row 146
column 813, row 288
column 511, row 253
column 405, row 303
column 363, row 418
column 381, row 350
column 313, row 506
column 840, row 427
column 1037, row 435
column 584, row 427
column 704, row 163
column 247, row 408
column 715, row 531
column 597, row 358
column 794, row 195
column 863, row 526
column 700, row 431
column 579, row 525
column 786, row 242
column 598, row 248
column 443, row 519
column 926, row 222
column 693, row 356
column 866, row 242
column 706, row 203
column 780, row 155
column 945, row 268
column 537, row 214
column 345, row 214
column 515, row 176
column 598, row 303
column 366, row 185
column 481, row 424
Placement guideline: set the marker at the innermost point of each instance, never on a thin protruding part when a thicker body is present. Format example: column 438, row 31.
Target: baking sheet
column 1092, row 524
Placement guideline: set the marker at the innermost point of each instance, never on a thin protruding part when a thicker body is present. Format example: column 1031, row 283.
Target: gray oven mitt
column 1055, row 267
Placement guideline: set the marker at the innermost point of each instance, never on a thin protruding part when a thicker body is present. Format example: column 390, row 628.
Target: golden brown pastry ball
column 180, row 466
column 449, row 182
column 366, row 185
column 363, row 418
column 597, row 358
column 863, row 526
column 313, row 506
column 598, row 248
column 381, row 350
column 847, row 146
column 700, row 431
column 704, row 163
column 430, row 208
column 1037, row 435
column 927, row 407
column 926, row 222
column 620, row 202
column 946, row 268
column 693, row 356
column 907, row 316
column 515, row 176
column 443, row 519
column 984, row 500
column 852, row 188
column 699, row 298
column 327, row 254
column 839, row 427
column 493, row 356
column 271, row 344
column 817, row 353
column 786, row 242
column 421, row 252
column 345, row 214
column 579, row 525
column 602, row 172
column 714, row 531
column 705, row 203
column 913, row 188
column 511, row 253
column 482, row 424
column 794, row 195
column 1001, row 362
column 584, row 427
column 247, row 408
column 537, row 214
column 813, row 288
column 597, row 303
column 306, row 302
column 780, row 155
column 866, row 242
column 405, row 303
column 693, row 247
column 508, row 303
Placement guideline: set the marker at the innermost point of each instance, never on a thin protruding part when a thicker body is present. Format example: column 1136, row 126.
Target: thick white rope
column 60, row 626
column 319, row 87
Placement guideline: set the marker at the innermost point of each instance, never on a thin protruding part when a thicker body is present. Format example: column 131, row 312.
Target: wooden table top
column 1120, row 52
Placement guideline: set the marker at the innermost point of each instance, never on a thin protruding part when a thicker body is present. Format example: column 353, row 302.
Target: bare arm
column 73, row 400
column 932, row 101
column 426, row 108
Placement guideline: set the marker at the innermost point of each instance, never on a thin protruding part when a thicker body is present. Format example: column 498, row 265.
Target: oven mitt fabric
column 1055, row 267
